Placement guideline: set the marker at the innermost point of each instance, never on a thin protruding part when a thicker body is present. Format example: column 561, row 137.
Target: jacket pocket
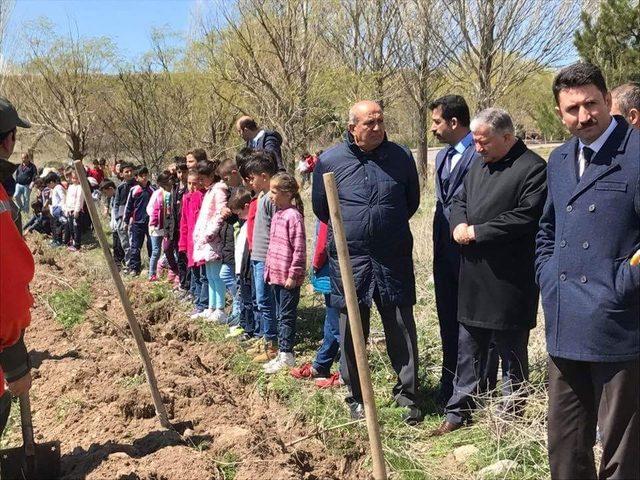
column 611, row 186
column 627, row 281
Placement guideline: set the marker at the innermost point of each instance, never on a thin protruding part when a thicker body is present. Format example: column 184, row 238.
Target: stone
column 188, row 433
column 498, row 469
column 464, row 453
column 119, row 455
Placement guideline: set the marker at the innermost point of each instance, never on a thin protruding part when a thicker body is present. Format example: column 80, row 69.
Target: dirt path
column 89, row 394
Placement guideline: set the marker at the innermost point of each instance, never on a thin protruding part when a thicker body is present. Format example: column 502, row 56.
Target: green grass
column 70, row 305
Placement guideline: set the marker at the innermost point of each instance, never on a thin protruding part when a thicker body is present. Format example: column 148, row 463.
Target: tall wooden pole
column 161, row 412
column 355, row 323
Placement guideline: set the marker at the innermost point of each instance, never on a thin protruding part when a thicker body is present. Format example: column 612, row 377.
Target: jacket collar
column 516, row 151
column 604, row 161
column 350, row 141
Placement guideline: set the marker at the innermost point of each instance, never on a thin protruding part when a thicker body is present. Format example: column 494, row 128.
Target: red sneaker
column 333, row 381
column 305, row 371
column 171, row 276
column 153, row 278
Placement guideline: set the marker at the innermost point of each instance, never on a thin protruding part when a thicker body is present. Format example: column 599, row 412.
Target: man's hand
column 471, row 233
column 460, row 234
column 635, row 260
column 20, row 386
column 289, row 283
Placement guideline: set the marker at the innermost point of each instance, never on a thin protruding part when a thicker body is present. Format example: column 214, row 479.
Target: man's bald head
column 366, row 125
column 247, row 127
column 626, row 102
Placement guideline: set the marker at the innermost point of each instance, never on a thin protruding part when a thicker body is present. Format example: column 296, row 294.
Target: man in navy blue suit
column 590, row 291
column 450, row 125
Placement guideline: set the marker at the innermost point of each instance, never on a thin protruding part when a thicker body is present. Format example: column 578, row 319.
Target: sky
column 127, row 22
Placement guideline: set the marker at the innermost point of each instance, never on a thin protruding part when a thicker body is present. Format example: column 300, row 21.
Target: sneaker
column 234, row 331
column 269, row 352
column 356, row 410
column 195, row 314
column 305, row 371
column 334, row 381
column 204, row 314
column 246, row 338
column 153, row 278
column 133, row 273
column 282, row 361
column 171, row 276
column 413, row 416
column 55, row 243
column 71, row 248
column 219, row 316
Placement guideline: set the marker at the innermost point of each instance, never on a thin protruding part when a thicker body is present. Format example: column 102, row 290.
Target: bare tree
column 269, row 49
column 59, row 81
column 366, row 35
column 498, row 44
column 6, row 8
column 422, row 62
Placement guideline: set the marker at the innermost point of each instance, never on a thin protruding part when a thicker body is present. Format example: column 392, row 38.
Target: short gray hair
column 628, row 97
column 497, row 119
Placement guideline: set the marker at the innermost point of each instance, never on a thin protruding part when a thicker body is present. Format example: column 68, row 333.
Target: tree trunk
column 423, row 146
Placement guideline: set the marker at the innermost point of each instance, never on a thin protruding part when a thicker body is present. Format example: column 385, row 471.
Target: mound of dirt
column 90, row 394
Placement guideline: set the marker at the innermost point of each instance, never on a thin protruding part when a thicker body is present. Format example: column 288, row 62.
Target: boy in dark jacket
column 40, row 222
column 135, row 215
column 119, row 204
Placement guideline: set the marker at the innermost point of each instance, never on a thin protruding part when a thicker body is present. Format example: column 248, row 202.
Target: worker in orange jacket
column 16, row 271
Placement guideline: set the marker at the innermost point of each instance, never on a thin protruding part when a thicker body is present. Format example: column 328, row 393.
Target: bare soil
column 89, row 394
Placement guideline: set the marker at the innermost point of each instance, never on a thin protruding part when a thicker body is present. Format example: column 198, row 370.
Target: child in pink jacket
column 207, row 242
column 189, row 210
column 159, row 211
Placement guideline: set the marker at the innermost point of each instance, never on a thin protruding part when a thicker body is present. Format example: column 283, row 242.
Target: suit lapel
column 461, row 168
column 604, row 161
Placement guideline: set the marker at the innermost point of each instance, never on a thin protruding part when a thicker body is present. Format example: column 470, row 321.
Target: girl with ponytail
column 286, row 263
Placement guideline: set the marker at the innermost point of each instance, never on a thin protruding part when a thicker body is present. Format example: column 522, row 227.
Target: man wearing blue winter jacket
column 379, row 192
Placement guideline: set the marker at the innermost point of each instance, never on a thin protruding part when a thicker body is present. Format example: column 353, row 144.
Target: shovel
column 31, row 461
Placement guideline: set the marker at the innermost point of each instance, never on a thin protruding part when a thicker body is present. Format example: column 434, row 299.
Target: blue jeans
column 22, row 195
column 327, row 352
column 286, row 314
column 216, row 285
column 199, row 287
column 229, row 278
column 266, row 302
column 156, row 247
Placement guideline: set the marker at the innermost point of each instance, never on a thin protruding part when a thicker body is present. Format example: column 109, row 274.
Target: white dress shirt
column 595, row 145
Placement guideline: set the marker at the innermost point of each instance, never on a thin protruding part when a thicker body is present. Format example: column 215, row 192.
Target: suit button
column 585, row 245
column 563, row 276
column 563, row 243
column 583, row 279
column 592, row 208
column 569, row 208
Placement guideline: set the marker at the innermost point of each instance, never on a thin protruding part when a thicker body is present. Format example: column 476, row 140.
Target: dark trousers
column 137, row 233
column 402, row 348
column 330, row 347
column 170, row 251
column 583, row 395
column 118, row 251
column 445, row 274
column 183, row 271
column 74, row 228
column 286, row 311
column 247, row 321
column 473, row 353
column 5, row 409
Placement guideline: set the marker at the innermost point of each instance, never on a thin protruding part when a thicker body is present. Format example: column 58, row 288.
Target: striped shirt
column 287, row 254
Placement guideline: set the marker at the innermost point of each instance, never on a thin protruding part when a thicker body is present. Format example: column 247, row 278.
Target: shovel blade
column 15, row 465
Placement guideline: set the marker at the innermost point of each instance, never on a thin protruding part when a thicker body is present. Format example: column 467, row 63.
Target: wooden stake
column 161, row 412
column 353, row 311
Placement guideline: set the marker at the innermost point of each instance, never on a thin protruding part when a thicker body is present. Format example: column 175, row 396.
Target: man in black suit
column 261, row 139
column 495, row 219
column 450, row 125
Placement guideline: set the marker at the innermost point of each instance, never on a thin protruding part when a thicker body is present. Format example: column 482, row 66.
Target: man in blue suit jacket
column 590, row 292
column 450, row 124
column 261, row 139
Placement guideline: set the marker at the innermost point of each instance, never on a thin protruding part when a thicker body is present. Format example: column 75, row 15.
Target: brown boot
column 446, row 427
column 269, row 353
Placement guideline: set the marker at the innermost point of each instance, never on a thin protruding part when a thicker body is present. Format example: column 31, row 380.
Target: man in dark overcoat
column 379, row 192
column 495, row 219
column 450, row 120
column 590, row 291
column 261, row 139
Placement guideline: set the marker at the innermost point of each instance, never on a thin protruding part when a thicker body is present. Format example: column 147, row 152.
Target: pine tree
column 612, row 41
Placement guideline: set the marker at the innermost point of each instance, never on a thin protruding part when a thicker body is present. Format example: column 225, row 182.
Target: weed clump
column 70, row 306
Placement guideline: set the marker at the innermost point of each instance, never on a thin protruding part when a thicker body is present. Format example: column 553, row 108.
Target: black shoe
column 356, row 410
column 413, row 416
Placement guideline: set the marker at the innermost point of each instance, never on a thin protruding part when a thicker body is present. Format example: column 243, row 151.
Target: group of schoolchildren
column 231, row 227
